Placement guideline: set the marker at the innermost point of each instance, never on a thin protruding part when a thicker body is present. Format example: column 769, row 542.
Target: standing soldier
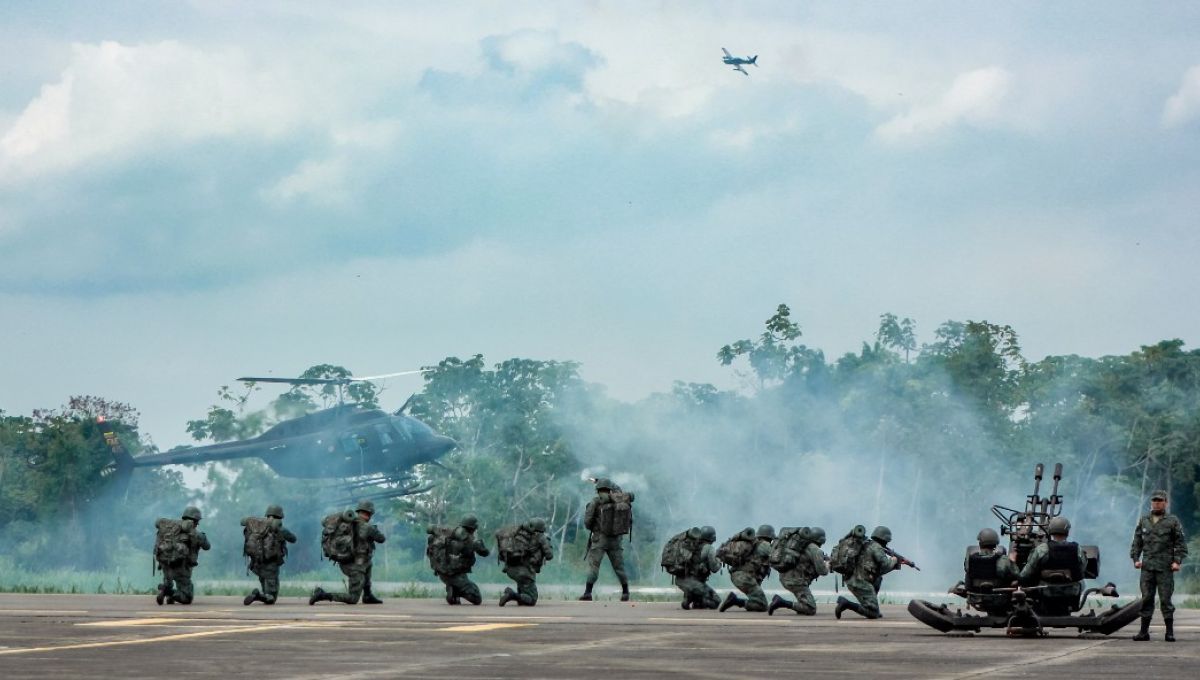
column 451, row 553
column 523, row 550
column 177, row 547
column 697, row 594
column 866, row 579
column 803, row 552
column 1058, row 566
column 749, row 573
column 1158, row 550
column 609, row 516
column 265, row 544
column 353, row 554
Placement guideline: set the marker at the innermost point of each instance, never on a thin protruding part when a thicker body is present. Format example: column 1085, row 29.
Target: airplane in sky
column 738, row 62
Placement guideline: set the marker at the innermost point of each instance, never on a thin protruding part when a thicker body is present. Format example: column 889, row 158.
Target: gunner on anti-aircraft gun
column 1057, row 566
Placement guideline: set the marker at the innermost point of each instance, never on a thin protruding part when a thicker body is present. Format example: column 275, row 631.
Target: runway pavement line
column 142, row 641
column 44, row 612
column 130, row 622
column 480, row 627
column 1037, row 656
column 364, row 616
column 522, row 618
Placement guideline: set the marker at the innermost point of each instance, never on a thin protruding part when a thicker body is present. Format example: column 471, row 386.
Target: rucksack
column 845, row 555
column 440, row 550
column 680, row 552
column 514, row 546
column 172, row 541
column 263, row 542
column 737, row 550
column 615, row 518
column 337, row 536
column 785, row 550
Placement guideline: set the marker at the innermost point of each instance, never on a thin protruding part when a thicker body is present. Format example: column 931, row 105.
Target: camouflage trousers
column 268, row 580
column 868, row 597
column 797, row 584
column 750, row 584
column 177, row 582
column 358, row 578
column 599, row 546
column 1161, row 582
column 526, row 578
column 698, row 592
column 459, row 585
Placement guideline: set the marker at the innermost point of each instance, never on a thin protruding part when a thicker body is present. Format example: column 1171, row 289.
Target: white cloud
column 975, row 97
column 321, row 182
column 114, row 100
column 1184, row 106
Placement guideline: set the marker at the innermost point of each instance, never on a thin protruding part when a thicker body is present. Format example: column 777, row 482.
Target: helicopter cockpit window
column 403, row 429
column 385, row 437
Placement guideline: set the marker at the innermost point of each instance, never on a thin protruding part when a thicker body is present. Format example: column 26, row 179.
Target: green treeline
column 921, row 437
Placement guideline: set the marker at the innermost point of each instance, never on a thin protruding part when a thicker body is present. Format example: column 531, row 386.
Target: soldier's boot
column 1170, row 636
column 163, row 593
column 1143, row 634
column 473, row 599
column 687, row 602
column 253, row 597
column 587, row 593
column 843, row 604
column 624, row 592
column 319, row 595
column 508, row 596
column 777, row 603
column 369, row 597
column 731, row 600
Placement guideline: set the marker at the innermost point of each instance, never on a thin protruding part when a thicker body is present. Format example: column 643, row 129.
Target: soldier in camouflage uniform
column 464, row 544
column 1058, row 566
column 358, row 569
column 867, row 579
column 697, row 594
column 268, row 571
column 1158, row 550
column 177, row 587
column 986, row 570
column 809, row 565
column 601, row 544
column 749, row 576
column 524, row 568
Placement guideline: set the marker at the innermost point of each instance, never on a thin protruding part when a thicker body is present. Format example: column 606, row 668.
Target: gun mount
column 1026, row 610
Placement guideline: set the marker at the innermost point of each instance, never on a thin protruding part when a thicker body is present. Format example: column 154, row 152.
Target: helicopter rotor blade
column 299, row 381
column 390, row 375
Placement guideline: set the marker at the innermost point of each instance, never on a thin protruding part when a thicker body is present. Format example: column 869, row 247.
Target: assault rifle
column 900, row 558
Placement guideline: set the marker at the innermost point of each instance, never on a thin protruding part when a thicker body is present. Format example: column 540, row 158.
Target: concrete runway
column 101, row 636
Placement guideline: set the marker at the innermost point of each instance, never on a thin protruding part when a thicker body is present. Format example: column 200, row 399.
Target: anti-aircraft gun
column 1026, row 610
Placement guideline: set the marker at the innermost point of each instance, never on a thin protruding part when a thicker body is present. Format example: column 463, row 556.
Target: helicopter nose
column 439, row 446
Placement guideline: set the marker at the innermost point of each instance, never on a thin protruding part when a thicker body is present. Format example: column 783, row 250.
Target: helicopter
column 366, row 447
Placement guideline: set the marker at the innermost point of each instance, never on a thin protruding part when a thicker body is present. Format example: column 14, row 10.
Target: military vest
column 1062, row 563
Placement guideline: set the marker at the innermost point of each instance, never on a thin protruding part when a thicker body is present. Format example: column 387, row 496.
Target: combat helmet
column 191, row 512
column 765, row 531
column 469, row 522
column 1059, row 526
column 275, row 511
column 366, row 506
column 988, row 538
column 604, row 484
column 882, row 534
column 708, row 534
column 537, row 524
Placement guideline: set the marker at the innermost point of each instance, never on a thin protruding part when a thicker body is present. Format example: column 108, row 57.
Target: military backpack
column 846, row 554
column 785, row 550
column 516, row 546
column 263, row 542
column 173, row 541
column 442, row 551
column 681, row 552
column 615, row 518
column 738, row 550
column 337, row 536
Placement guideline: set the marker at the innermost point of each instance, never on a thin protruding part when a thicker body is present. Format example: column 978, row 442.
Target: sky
column 192, row 192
